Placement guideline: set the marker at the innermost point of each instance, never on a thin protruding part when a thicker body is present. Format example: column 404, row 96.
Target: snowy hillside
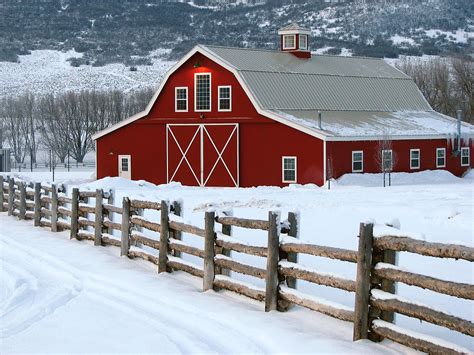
column 435, row 206
column 48, row 71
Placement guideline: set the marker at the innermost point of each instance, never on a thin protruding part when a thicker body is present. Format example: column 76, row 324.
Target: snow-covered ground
column 48, row 71
column 86, row 289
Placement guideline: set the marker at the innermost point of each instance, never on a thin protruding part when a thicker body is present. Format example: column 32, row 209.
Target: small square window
column 303, row 42
column 289, row 41
column 289, row 169
column 414, row 158
column 465, row 156
column 441, row 157
column 181, row 99
column 357, row 161
column 225, row 98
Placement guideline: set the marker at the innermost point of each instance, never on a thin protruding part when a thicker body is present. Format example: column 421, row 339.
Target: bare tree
column 11, row 112
column 463, row 72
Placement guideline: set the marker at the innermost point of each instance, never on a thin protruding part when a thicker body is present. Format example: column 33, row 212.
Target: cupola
column 295, row 39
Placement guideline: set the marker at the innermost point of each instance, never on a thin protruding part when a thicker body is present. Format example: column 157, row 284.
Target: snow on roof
column 372, row 124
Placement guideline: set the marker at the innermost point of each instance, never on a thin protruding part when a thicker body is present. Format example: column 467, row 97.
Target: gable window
column 289, row 169
column 414, row 158
column 387, row 161
column 465, row 156
column 303, row 42
column 289, row 41
column 202, row 93
column 225, row 98
column 440, row 157
column 357, row 161
column 181, row 99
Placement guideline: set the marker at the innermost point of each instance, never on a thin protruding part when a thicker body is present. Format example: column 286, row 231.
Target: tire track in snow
column 146, row 309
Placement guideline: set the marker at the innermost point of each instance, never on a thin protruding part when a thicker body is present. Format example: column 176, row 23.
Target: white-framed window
column 357, row 161
column 465, row 156
column 303, row 42
column 288, row 169
column 289, row 42
column 181, row 99
column 440, row 157
column 202, row 92
column 225, row 98
column 414, row 158
column 387, row 161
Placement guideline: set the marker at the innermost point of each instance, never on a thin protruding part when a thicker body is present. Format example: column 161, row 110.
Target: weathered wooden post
column 294, row 220
column 227, row 230
column 271, row 287
column 125, row 240
column 177, row 211
column 99, row 217
column 11, row 195
column 209, row 251
column 22, row 207
column 364, row 263
column 74, row 213
column 2, row 196
column 37, row 217
column 110, row 214
column 54, row 208
column 164, row 237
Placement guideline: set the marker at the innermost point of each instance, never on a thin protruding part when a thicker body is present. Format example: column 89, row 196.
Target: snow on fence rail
column 374, row 287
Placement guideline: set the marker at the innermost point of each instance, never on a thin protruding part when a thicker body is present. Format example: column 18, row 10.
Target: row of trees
column 65, row 123
column 446, row 83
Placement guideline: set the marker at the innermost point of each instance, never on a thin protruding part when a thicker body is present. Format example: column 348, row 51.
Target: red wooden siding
column 341, row 154
column 261, row 142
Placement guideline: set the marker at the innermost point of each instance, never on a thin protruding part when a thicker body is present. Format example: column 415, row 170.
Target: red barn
column 245, row 117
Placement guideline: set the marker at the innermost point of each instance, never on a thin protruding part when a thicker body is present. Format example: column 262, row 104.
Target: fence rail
column 374, row 288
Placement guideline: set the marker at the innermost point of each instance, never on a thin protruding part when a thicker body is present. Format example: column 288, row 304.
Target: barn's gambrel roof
column 354, row 93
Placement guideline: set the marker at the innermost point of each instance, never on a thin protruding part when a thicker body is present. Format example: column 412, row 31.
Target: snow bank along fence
column 374, row 288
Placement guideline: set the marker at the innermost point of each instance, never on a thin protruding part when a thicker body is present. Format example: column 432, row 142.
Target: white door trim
column 128, row 174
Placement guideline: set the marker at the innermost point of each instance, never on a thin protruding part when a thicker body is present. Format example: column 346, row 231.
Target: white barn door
column 125, row 166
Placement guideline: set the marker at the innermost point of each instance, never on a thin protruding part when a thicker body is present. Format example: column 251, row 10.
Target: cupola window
column 289, row 42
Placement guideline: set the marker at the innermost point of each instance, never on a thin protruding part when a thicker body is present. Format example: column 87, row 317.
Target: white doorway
column 125, row 166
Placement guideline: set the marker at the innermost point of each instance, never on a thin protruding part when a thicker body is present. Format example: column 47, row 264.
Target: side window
column 303, row 42
column 289, row 169
column 289, row 41
column 181, row 99
column 225, row 98
column 202, row 92
column 414, row 158
column 357, row 161
column 465, row 156
column 440, row 157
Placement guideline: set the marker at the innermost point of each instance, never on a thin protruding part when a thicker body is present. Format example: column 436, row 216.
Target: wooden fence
column 374, row 288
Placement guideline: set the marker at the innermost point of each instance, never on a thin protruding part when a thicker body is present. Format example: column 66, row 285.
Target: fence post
column 293, row 219
column 2, row 198
column 164, row 237
column 271, row 281
column 22, row 207
column 54, row 208
column 99, row 217
column 110, row 214
column 11, row 195
column 227, row 230
column 125, row 240
column 37, row 218
column 74, row 213
column 209, row 251
column 364, row 263
column 389, row 257
column 178, row 211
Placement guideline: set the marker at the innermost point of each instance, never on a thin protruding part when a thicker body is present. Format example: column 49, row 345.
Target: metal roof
column 372, row 124
column 282, row 81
